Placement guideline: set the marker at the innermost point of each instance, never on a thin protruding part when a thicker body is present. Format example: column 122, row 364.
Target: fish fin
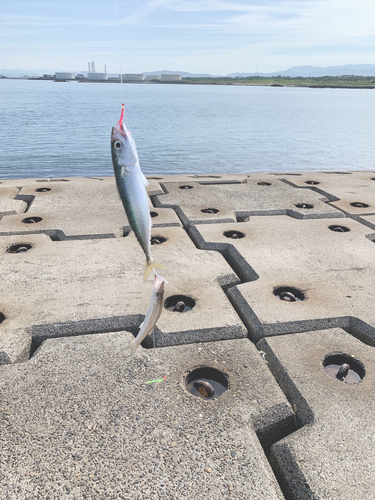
column 144, row 180
column 149, row 267
column 132, row 346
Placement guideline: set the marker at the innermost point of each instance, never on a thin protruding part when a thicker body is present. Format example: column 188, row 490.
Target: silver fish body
column 131, row 184
column 152, row 315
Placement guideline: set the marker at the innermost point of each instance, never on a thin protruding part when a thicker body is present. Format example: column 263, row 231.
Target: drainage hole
column 19, row 248
column 185, row 187
column 179, row 303
column 344, row 367
column 263, row 183
column 206, row 382
column 42, row 190
column 210, row 210
column 312, row 183
column 339, row 229
column 304, row 205
column 158, row 240
column 289, row 294
column 154, row 214
column 359, row 204
column 235, row 235
column 31, row 220
column 2, row 317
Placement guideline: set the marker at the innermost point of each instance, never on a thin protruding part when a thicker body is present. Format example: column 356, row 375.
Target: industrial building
column 97, row 76
column 170, row 78
column 64, row 76
column 152, row 77
column 132, row 77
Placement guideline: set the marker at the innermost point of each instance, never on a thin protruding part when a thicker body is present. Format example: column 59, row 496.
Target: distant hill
column 184, row 74
column 304, row 71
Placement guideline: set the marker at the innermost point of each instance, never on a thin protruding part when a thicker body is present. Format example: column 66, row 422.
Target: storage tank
column 97, row 76
column 132, row 77
column 170, row 78
column 64, row 76
column 152, row 77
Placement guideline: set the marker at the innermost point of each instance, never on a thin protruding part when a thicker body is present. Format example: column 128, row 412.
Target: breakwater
column 269, row 293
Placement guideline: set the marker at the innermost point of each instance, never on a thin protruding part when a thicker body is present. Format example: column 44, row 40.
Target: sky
column 198, row 36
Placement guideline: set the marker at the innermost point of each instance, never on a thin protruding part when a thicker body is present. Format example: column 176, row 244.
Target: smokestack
column 89, row 67
column 105, row 69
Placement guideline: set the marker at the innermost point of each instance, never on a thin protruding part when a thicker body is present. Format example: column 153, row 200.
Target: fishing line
column 120, row 65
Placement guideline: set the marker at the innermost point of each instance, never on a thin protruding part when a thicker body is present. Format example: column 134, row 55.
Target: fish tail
column 132, row 346
column 149, row 266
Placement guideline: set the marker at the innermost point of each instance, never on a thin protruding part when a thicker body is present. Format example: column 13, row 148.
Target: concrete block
column 332, row 270
column 333, row 454
column 202, row 178
column 79, row 421
column 8, row 204
column 197, row 204
column 78, row 208
column 352, row 192
column 85, row 286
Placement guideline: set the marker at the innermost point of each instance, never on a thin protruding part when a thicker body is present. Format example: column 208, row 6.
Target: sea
column 62, row 129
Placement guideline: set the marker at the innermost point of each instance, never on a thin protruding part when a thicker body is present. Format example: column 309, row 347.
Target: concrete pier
column 276, row 274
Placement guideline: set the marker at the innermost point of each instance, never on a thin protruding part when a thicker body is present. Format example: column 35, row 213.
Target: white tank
column 64, row 76
column 152, row 77
column 170, row 78
column 97, row 76
column 133, row 77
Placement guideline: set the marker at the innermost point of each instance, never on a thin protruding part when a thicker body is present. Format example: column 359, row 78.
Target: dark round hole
column 339, row 229
column 235, row 235
column 19, row 248
column 312, row 183
column 42, row 190
column 210, row 210
column 263, row 183
column 154, row 214
column 186, row 187
column 2, row 317
column 179, row 303
column 344, row 367
column 207, row 382
column 359, row 204
column 304, row 205
column 32, row 220
column 158, row 240
column 372, row 178
column 289, row 294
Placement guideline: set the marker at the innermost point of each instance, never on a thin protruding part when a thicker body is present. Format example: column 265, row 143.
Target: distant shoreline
column 346, row 82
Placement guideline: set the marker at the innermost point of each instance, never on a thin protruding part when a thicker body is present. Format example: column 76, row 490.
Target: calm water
column 51, row 129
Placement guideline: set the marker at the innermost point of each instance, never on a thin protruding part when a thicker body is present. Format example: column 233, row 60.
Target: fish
column 131, row 185
column 152, row 315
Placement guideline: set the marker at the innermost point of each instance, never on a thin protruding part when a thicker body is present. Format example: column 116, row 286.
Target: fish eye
column 157, row 294
column 117, row 145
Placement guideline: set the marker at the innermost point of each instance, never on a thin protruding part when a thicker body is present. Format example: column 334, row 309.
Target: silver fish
column 131, row 185
column 152, row 314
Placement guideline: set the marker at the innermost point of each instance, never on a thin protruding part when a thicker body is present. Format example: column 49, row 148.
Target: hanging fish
column 152, row 314
column 131, row 185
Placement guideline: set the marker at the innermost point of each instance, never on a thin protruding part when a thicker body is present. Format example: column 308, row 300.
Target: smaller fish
column 152, row 314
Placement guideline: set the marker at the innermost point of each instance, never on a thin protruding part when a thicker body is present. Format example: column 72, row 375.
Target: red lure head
column 120, row 125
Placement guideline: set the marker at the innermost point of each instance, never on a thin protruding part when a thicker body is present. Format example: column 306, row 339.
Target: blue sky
column 199, row 36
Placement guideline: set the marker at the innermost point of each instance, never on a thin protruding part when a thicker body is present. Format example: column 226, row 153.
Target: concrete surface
column 259, row 195
column 334, row 451
column 66, row 209
column 80, row 422
column 86, row 286
column 76, row 417
column 333, row 270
